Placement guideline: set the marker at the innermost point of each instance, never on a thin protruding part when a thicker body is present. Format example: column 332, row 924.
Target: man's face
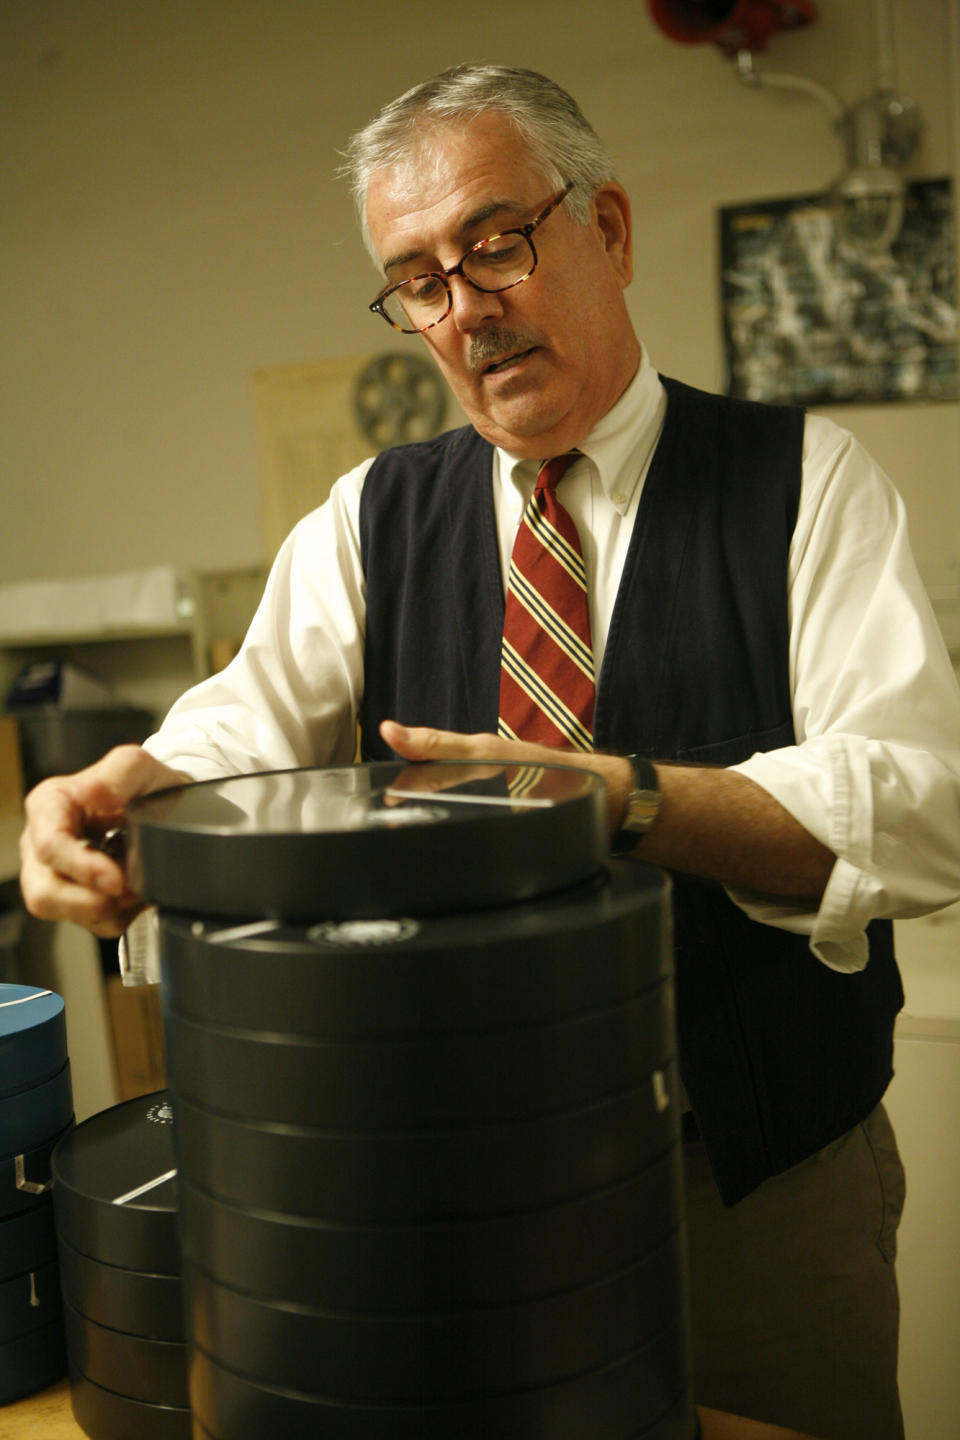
column 536, row 366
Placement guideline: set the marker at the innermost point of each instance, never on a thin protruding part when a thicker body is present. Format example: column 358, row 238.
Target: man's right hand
column 65, row 877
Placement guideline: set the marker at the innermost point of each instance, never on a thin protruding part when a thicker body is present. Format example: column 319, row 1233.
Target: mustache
column 496, row 344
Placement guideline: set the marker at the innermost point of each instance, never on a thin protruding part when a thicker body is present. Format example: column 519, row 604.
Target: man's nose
column 470, row 307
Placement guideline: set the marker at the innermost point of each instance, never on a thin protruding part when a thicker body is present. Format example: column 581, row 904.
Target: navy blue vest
column 779, row 1054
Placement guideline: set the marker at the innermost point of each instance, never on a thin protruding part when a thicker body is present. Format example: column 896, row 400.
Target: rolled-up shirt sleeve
column 875, row 773
column 291, row 696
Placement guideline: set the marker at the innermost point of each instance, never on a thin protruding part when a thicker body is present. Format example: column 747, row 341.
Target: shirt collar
column 620, row 444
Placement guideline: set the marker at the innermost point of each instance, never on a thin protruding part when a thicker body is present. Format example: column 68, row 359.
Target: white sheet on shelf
column 131, row 599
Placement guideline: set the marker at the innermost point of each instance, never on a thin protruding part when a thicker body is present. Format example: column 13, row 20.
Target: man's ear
column 611, row 206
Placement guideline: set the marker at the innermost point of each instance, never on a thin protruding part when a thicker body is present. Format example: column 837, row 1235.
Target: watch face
column 642, row 808
column 643, row 802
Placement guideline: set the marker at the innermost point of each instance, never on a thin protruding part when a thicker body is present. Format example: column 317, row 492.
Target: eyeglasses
column 494, row 264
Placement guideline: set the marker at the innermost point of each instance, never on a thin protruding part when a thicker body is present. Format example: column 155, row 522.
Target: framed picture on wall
column 808, row 319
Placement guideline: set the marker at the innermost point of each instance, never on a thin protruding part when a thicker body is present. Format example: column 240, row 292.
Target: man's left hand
column 423, row 743
column 712, row 822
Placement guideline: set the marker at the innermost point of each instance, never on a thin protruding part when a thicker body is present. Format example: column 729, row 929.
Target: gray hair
column 560, row 139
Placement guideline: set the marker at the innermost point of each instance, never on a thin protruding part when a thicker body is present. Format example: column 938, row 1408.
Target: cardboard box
column 136, row 1018
column 11, row 799
column 11, row 769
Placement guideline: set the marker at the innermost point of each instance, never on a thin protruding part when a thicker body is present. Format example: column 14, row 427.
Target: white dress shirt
column 875, row 772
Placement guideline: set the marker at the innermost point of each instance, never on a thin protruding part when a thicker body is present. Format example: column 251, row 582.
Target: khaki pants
column 793, row 1293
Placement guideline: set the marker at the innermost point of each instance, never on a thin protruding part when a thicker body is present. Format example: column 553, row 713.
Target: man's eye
column 501, row 252
column 424, row 288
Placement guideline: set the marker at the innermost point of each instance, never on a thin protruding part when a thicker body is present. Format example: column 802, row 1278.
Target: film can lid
column 115, row 1192
column 33, row 1037
column 365, row 841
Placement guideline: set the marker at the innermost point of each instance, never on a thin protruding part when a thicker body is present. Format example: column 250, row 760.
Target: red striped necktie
column 547, row 685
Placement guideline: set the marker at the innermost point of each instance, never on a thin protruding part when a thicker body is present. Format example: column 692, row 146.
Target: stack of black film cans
column 422, row 1071
column 115, row 1198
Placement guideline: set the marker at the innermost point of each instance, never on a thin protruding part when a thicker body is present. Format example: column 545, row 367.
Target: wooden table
column 48, row 1414
column 45, row 1414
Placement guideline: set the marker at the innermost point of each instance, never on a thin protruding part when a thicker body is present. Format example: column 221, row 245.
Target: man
column 758, row 629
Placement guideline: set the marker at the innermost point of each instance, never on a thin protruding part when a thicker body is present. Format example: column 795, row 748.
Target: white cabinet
column 924, row 1105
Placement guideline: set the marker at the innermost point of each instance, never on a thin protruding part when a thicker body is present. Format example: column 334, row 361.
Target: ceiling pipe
column 879, row 132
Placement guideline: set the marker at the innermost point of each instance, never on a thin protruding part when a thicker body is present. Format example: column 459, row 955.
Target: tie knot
column 551, row 472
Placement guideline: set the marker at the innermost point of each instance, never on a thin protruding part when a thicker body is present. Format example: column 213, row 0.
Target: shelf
column 201, row 618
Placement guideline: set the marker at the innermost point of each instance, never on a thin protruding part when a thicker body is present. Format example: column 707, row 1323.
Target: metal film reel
column 397, row 399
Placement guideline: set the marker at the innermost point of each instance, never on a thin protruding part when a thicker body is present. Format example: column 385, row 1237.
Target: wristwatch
column 643, row 803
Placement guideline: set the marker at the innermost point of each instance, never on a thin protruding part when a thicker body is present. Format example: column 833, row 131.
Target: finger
column 64, row 811
column 52, row 897
column 422, row 742
column 104, row 789
column 55, row 841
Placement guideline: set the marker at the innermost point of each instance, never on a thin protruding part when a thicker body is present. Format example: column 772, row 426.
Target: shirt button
column 618, row 497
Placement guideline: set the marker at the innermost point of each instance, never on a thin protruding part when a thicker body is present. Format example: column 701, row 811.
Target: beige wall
column 170, row 221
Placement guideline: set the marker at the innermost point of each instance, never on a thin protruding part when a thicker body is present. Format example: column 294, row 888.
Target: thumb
column 103, row 790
